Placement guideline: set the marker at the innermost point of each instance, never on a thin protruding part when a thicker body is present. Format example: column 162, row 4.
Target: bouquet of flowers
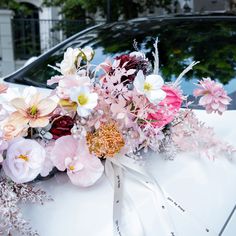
column 98, row 114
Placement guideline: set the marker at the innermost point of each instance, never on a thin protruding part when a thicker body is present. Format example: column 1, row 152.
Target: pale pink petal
column 35, row 100
column 46, row 106
column 18, row 119
column 39, row 122
column 19, row 104
column 65, row 147
column 89, row 174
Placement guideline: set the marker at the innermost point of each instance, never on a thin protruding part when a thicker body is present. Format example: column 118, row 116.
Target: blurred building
column 23, row 36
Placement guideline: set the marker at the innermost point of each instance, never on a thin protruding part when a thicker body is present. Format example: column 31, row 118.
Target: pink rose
column 167, row 108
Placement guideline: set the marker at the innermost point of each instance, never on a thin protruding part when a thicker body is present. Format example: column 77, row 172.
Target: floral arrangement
column 97, row 112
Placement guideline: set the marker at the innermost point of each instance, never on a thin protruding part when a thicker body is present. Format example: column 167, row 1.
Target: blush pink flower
column 213, row 96
column 83, row 168
column 35, row 112
column 24, row 160
column 168, row 108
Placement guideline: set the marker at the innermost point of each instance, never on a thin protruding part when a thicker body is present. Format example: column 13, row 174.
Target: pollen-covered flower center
column 147, row 87
column 82, row 99
column 71, row 168
column 33, row 110
column 23, row 157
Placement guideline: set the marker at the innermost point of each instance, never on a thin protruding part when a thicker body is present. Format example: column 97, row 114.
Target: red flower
column 61, row 126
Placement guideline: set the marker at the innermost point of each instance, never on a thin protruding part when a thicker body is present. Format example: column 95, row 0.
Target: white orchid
column 85, row 100
column 150, row 87
column 68, row 64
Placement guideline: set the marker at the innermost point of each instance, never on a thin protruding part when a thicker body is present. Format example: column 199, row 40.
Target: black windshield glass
column 210, row 41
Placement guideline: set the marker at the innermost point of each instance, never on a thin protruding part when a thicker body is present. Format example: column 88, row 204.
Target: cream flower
column 34, row 112
column 150, row 87
column 68, row 64
column 24, row 160
column 85, row 100
column 88, row 53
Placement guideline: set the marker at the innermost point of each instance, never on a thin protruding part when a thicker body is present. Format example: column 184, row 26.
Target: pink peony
column 167, row 108
column 83, row 168
column 214, row 97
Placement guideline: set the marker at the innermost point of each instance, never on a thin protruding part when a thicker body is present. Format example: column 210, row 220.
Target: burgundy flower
column 133, row 62
column 61, row 126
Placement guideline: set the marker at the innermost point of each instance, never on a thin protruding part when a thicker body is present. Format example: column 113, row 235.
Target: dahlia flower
column 150, row 87
column 214, row 97
column 24, row 160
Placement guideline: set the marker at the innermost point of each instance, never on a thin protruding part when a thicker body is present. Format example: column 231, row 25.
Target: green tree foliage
column 14, row 6
column 112, row 9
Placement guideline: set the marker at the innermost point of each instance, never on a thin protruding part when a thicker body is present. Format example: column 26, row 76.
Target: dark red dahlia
column 61, row 126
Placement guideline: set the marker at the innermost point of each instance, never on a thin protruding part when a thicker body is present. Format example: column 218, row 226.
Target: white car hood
column 204, row 188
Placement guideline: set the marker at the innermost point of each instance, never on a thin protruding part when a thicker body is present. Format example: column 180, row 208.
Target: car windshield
column 212, row 41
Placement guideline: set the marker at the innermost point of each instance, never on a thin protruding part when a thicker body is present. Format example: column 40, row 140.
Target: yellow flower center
column 23, row 157
column 72, row 168
column 82, row 99
column 33, row 110
column 147, row 87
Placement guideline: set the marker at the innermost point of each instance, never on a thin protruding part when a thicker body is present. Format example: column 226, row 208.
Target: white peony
column 24, row 160
column 150, row 87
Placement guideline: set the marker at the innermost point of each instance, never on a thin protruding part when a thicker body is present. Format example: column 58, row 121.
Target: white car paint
column 20, row 86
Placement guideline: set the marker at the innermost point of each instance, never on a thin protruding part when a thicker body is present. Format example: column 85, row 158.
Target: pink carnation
column 167, row 108
column 214, row 97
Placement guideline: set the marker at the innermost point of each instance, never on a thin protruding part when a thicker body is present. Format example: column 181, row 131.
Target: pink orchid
column 168, row 108
column 35, row 112
column 83, row 168
column 214, row 97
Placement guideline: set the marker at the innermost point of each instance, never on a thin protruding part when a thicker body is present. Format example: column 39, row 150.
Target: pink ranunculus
column 83, row 168
column 167, row 108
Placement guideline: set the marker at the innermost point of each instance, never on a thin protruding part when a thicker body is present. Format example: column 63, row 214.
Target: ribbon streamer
column 114, row 168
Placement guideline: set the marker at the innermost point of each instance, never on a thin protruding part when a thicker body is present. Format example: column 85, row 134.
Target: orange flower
column 106, row 141
column 35, row 113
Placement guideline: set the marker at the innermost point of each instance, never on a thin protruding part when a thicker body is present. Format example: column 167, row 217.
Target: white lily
column 85, row 100
column 150, row 87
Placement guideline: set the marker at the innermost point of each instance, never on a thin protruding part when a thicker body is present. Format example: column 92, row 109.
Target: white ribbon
column 114, row 168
